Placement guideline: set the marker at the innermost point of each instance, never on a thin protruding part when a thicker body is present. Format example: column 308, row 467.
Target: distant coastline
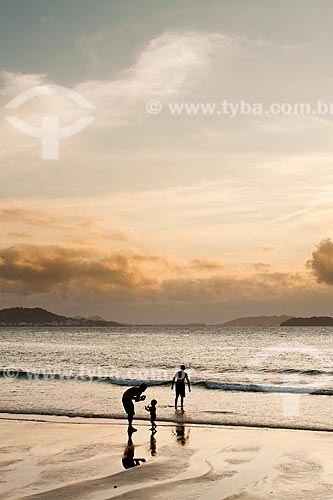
column 39, row 317
column 32, row 317
column 257, row 321
column 312, row 321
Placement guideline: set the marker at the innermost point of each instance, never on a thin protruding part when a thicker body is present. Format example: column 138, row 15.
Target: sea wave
column 13, row 374
column 294, row 371
column 265, row 388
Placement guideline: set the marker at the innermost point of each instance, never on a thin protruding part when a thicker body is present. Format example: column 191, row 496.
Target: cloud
column 165, row 66
column 169, row 63
column 293, row 46
column 28, row 269
column 264, row 43
column 321, row 263
column 78, row 229
column 207, row 264
column 233, row 288
column 12, row 84
column 19, row 236
column 187, row 65
column 170, row 59
column 48, row 268
column 260, row 266
column 16, row 213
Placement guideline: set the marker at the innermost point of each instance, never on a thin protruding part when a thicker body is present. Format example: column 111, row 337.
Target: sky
column 158, row 217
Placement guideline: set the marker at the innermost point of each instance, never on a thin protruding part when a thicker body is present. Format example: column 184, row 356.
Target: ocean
column 265, row 377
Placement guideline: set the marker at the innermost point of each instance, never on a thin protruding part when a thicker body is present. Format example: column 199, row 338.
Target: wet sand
column 72, row 458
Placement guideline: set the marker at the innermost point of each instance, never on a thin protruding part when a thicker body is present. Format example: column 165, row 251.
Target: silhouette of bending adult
column 132, row 394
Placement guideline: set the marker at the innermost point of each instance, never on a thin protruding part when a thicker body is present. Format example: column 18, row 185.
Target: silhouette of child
column 152, row 410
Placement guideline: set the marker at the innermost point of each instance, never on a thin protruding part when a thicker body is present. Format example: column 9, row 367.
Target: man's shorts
column 129, row 407
column 180, row 390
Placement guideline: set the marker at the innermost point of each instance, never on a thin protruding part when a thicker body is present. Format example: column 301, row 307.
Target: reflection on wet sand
column 128, row 458
column 182, row 434
column 152, row 447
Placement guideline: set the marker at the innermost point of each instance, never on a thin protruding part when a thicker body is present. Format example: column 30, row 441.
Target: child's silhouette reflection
column 153, row 444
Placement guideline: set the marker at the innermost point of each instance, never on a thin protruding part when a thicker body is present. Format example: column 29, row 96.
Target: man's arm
column 137, row 396
column 173, row 382
column 188, row 382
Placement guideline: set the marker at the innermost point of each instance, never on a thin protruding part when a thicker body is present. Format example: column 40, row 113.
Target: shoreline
column 54, row 459
column 93, row 419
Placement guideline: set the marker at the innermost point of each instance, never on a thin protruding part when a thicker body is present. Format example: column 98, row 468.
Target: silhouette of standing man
column 179, row 380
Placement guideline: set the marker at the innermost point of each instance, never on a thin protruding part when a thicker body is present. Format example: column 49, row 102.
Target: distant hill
column 313, row 321
column 93, row 318
column 96, row 318
column 23, row 316
column 258, row 321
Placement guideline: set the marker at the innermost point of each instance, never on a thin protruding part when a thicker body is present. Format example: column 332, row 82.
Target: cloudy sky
column 161, row 217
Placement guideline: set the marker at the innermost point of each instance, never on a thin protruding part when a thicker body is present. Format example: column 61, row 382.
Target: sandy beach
column 62, row 458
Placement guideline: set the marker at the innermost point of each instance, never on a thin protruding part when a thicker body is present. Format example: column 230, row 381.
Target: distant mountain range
column 313, row 321
column 258, row 321
column 23, row 316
